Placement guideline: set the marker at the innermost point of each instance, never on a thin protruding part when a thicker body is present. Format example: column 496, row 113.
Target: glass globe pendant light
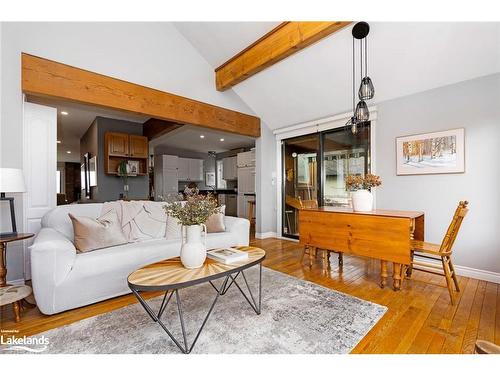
column 362, row 113
column 366, row 91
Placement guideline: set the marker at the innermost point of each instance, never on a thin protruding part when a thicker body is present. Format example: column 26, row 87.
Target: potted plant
column 192, row 214
column 362, row 197
column 123, row 171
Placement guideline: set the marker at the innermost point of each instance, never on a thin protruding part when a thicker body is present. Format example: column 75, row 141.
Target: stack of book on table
column 227, row 255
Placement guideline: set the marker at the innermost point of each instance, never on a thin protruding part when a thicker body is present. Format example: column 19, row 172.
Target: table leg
column 396, row 276
column 383, row 273
column 17, row 311
column 312, row 254
column 3, row 269
column 326, row 260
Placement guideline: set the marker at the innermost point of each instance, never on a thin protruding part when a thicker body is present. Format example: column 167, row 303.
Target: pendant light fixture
column 366, row 90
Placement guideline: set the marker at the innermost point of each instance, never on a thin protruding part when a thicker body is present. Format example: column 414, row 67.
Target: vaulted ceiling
column 404, row 58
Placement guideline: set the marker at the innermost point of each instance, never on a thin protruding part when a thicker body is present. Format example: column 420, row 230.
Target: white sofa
column 64, row 279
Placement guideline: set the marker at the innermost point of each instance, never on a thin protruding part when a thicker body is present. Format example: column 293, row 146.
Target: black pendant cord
column 366, row 57
column 361, row 59
column 353, row 79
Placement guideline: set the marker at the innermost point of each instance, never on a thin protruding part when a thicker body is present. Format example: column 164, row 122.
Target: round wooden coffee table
column 170, row 276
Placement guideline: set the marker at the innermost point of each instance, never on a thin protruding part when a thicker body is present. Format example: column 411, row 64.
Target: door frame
column 311, row 127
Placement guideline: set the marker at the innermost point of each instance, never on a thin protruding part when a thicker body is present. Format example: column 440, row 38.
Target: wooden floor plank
column 420, row 317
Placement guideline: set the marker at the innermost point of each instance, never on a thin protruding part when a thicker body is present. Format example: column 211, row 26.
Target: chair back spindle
column 454, row 227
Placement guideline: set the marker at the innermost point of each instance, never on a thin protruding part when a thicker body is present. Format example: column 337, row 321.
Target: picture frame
column 93, row 171
column 210, row 179
column 431, row 153
column 133, row 167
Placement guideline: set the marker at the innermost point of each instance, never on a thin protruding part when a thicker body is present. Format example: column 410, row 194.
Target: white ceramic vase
column 193, row 249
column 362, row 200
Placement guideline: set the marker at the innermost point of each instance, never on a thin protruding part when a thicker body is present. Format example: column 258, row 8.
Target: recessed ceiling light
column 58, row 141
column 64, row 113
column 222, row 139
column 202, row 136
column 68, row 152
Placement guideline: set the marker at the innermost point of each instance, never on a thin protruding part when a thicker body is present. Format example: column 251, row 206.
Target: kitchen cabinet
column 230, row 201
column 166, row 178
column 246, row 159
column 138, row 146
column 195, row 170
column 229, row 168
column 183, row 169
column 120, row 147
column 246, row 180
column 117, row 144
column 190, row 169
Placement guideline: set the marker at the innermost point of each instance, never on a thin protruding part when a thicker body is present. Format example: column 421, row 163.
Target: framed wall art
column 431, row 153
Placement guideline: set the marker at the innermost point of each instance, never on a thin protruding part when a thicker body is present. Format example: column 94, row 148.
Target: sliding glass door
column 314, row 169
column 344, row 154
column 300, row 179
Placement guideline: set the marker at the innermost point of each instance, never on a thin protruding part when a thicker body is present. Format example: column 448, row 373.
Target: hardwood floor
column 420, row 318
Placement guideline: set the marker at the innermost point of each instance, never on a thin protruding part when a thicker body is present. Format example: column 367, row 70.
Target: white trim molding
column 263, row 235
column 311, row 127
column 475, row 273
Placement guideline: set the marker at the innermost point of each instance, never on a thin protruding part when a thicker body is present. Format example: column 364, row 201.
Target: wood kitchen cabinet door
column 138, row 146
column 118, row 144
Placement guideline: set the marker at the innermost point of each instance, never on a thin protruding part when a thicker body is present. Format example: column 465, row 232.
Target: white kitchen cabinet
column 246, row 159
column 195, row 170
column 166, row 177
column 230, row 168
column 183, row 169
column 246, row 180
column 190, row 169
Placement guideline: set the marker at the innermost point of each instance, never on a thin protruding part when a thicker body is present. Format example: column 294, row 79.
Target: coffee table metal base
column 228, row 281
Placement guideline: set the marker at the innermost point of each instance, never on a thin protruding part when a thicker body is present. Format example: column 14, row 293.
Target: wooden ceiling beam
column 42, row 77
column 281, row 42
column 154, row 128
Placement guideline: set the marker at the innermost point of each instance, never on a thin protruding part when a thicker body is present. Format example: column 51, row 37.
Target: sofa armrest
column 52, row 257
column 239, row 227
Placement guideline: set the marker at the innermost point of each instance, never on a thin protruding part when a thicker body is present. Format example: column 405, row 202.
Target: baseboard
column 16, row 282
column 263, row 235
column 474, row 273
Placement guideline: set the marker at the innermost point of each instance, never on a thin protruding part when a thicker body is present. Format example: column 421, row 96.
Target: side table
column 11, row 294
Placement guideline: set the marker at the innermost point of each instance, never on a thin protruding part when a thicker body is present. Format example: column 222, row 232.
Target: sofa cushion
column 140, row 220
column 92, row 234
column 215, row 222
column 58, row 218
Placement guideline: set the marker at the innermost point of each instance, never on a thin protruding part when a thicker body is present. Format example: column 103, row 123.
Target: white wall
column 151, row 54
column 265, row 153
column 475, row 106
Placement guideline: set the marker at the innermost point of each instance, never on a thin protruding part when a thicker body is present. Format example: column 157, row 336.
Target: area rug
column 297, row 317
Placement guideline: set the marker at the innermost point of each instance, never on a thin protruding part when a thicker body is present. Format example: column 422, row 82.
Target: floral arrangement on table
column 357, row 182
column 195, row 210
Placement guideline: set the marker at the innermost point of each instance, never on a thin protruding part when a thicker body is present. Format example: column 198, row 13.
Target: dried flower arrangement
column 357, row 182
column 196, row 210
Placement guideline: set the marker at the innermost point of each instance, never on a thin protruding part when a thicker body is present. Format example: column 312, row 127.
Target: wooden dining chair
column 441, row 253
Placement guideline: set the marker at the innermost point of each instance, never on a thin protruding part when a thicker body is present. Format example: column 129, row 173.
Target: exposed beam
column 48, row 78
column 281, row 42
column 153, row 128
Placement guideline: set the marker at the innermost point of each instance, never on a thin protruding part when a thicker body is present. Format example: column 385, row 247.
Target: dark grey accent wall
column 109, row 187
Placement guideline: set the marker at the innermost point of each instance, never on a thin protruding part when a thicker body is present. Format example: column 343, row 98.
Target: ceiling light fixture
column 202, row 136
column 222, row 139
column 68, row 152
column 64, row 113
column 58, row 141
column 366, row 90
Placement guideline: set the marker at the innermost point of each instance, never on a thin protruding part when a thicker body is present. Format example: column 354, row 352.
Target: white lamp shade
column 11, row 180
